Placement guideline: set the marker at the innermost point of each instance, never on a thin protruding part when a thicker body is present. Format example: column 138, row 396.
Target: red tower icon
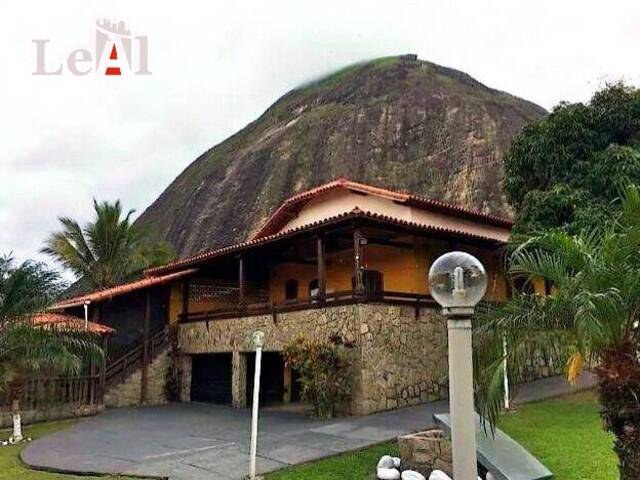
column 113, row 56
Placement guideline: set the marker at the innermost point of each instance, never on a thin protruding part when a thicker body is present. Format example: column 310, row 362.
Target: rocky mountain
column 396, row 122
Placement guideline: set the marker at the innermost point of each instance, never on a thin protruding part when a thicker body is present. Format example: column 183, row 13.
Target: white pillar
column 461, row 404
column 507, row 402
column 258, row 340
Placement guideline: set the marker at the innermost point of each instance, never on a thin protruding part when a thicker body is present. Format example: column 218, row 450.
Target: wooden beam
column 322, row 269
column 389, row 243
column 358, row 269
column 144, row 387
column 242, row 279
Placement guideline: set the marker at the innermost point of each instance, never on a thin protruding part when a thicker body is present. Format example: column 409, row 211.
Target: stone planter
column 426, row 451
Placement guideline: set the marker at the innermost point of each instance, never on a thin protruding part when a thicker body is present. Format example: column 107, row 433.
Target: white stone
column 396, row 461
column 386, row 461
column 412, row 475
column 439, row 475
column 490, row 476
column 388, row 474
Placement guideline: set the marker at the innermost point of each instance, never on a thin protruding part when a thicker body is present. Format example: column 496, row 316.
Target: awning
column 125, row 288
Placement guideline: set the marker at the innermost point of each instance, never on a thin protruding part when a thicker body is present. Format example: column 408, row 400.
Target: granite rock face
column 396, row 122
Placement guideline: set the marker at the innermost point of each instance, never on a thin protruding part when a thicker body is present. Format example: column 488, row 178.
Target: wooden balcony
column 330, row 299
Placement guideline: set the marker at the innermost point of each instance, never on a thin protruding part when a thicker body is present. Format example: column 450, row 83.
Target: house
column 344, row 259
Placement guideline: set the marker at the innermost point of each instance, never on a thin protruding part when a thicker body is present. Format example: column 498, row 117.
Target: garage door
column 211, row 378
column 271, row 378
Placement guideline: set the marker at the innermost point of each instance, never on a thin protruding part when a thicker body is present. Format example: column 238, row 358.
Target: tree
column 26, row 350
column 562, row 171
column 324, row 367
column 107, row 251
column 589, row 318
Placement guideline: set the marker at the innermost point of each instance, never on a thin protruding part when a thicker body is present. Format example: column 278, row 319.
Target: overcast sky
column 217, row 65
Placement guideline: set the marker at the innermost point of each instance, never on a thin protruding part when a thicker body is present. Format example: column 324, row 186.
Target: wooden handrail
column 122, row 366
column 341, row 297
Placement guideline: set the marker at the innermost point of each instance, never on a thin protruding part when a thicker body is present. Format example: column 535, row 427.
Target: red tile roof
column 109, row 293
column 344, row 217
column 59, row 320
column 294, row 204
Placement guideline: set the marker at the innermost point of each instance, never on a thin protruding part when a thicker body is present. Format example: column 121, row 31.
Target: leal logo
column 116, row 52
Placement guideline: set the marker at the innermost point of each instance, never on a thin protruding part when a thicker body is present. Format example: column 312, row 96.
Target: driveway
column 198, row 441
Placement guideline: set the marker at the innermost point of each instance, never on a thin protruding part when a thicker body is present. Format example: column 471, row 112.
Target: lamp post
column 86, row 314
column 458, row 282
column 258, row 342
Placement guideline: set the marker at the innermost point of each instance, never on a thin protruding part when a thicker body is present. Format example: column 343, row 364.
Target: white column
column 507, row 402
column 254, row 416
column 461, row 405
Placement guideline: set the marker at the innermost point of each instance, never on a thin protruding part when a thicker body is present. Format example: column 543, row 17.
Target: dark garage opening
column 271, row 378
column 211, row 378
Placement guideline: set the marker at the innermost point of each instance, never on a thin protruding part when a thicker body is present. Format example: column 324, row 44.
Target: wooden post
column 322, row 270
column 103, row 369
column 357, row 263
column 242, row 280
column 144, row 387
column 186, row 292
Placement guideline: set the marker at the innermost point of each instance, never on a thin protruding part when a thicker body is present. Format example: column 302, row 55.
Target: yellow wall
column 175, row 302
column 403, row 270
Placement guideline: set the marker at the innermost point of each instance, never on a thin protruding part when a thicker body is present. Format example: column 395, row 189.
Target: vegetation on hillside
column 108, row 250
column 564, row 170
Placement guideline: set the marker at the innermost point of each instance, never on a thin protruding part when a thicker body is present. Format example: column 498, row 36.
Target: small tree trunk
column 16, row 437
column 619, row 387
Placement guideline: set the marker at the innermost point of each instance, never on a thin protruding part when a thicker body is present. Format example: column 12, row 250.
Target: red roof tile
column 356, row 213
column 59, row 320
column 292, row 206
column 119, row 290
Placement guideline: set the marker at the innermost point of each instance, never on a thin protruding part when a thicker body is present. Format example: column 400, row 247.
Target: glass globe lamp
column 257, row 339
column 458, row 281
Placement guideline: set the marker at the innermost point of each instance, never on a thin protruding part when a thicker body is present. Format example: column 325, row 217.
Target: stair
column 123, row 377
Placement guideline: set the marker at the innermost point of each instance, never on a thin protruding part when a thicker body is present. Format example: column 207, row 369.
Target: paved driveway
column 197, row 441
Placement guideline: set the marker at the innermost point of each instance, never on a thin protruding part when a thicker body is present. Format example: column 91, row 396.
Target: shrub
column 325, row 373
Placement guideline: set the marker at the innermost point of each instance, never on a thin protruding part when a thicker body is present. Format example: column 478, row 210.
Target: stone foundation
column 401, row 355
column 53, row 412
column 127, row 393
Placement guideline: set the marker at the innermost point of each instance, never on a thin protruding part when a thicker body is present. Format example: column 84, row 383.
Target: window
column 291, row 289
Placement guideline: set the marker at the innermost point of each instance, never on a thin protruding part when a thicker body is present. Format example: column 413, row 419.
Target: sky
column 216, row 66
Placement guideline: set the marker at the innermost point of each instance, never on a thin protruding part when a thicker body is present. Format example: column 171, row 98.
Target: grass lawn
column 12, row 468
column 565, row 434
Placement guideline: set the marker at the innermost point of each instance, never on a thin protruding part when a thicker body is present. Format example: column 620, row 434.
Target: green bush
column 325, row 369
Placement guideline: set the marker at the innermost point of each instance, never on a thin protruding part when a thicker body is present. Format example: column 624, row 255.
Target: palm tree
column 26, row 350
column 589, row 318
column 107, row 251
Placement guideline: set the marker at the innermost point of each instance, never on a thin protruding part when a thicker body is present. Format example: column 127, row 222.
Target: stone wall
column 404, row 357
column 401, row 356
column 127, row 393
column 52, row 412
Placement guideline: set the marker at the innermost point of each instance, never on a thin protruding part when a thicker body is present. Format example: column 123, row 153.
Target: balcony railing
column 345, row 297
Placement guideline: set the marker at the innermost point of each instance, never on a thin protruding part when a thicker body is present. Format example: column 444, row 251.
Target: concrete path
column 198, row 441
